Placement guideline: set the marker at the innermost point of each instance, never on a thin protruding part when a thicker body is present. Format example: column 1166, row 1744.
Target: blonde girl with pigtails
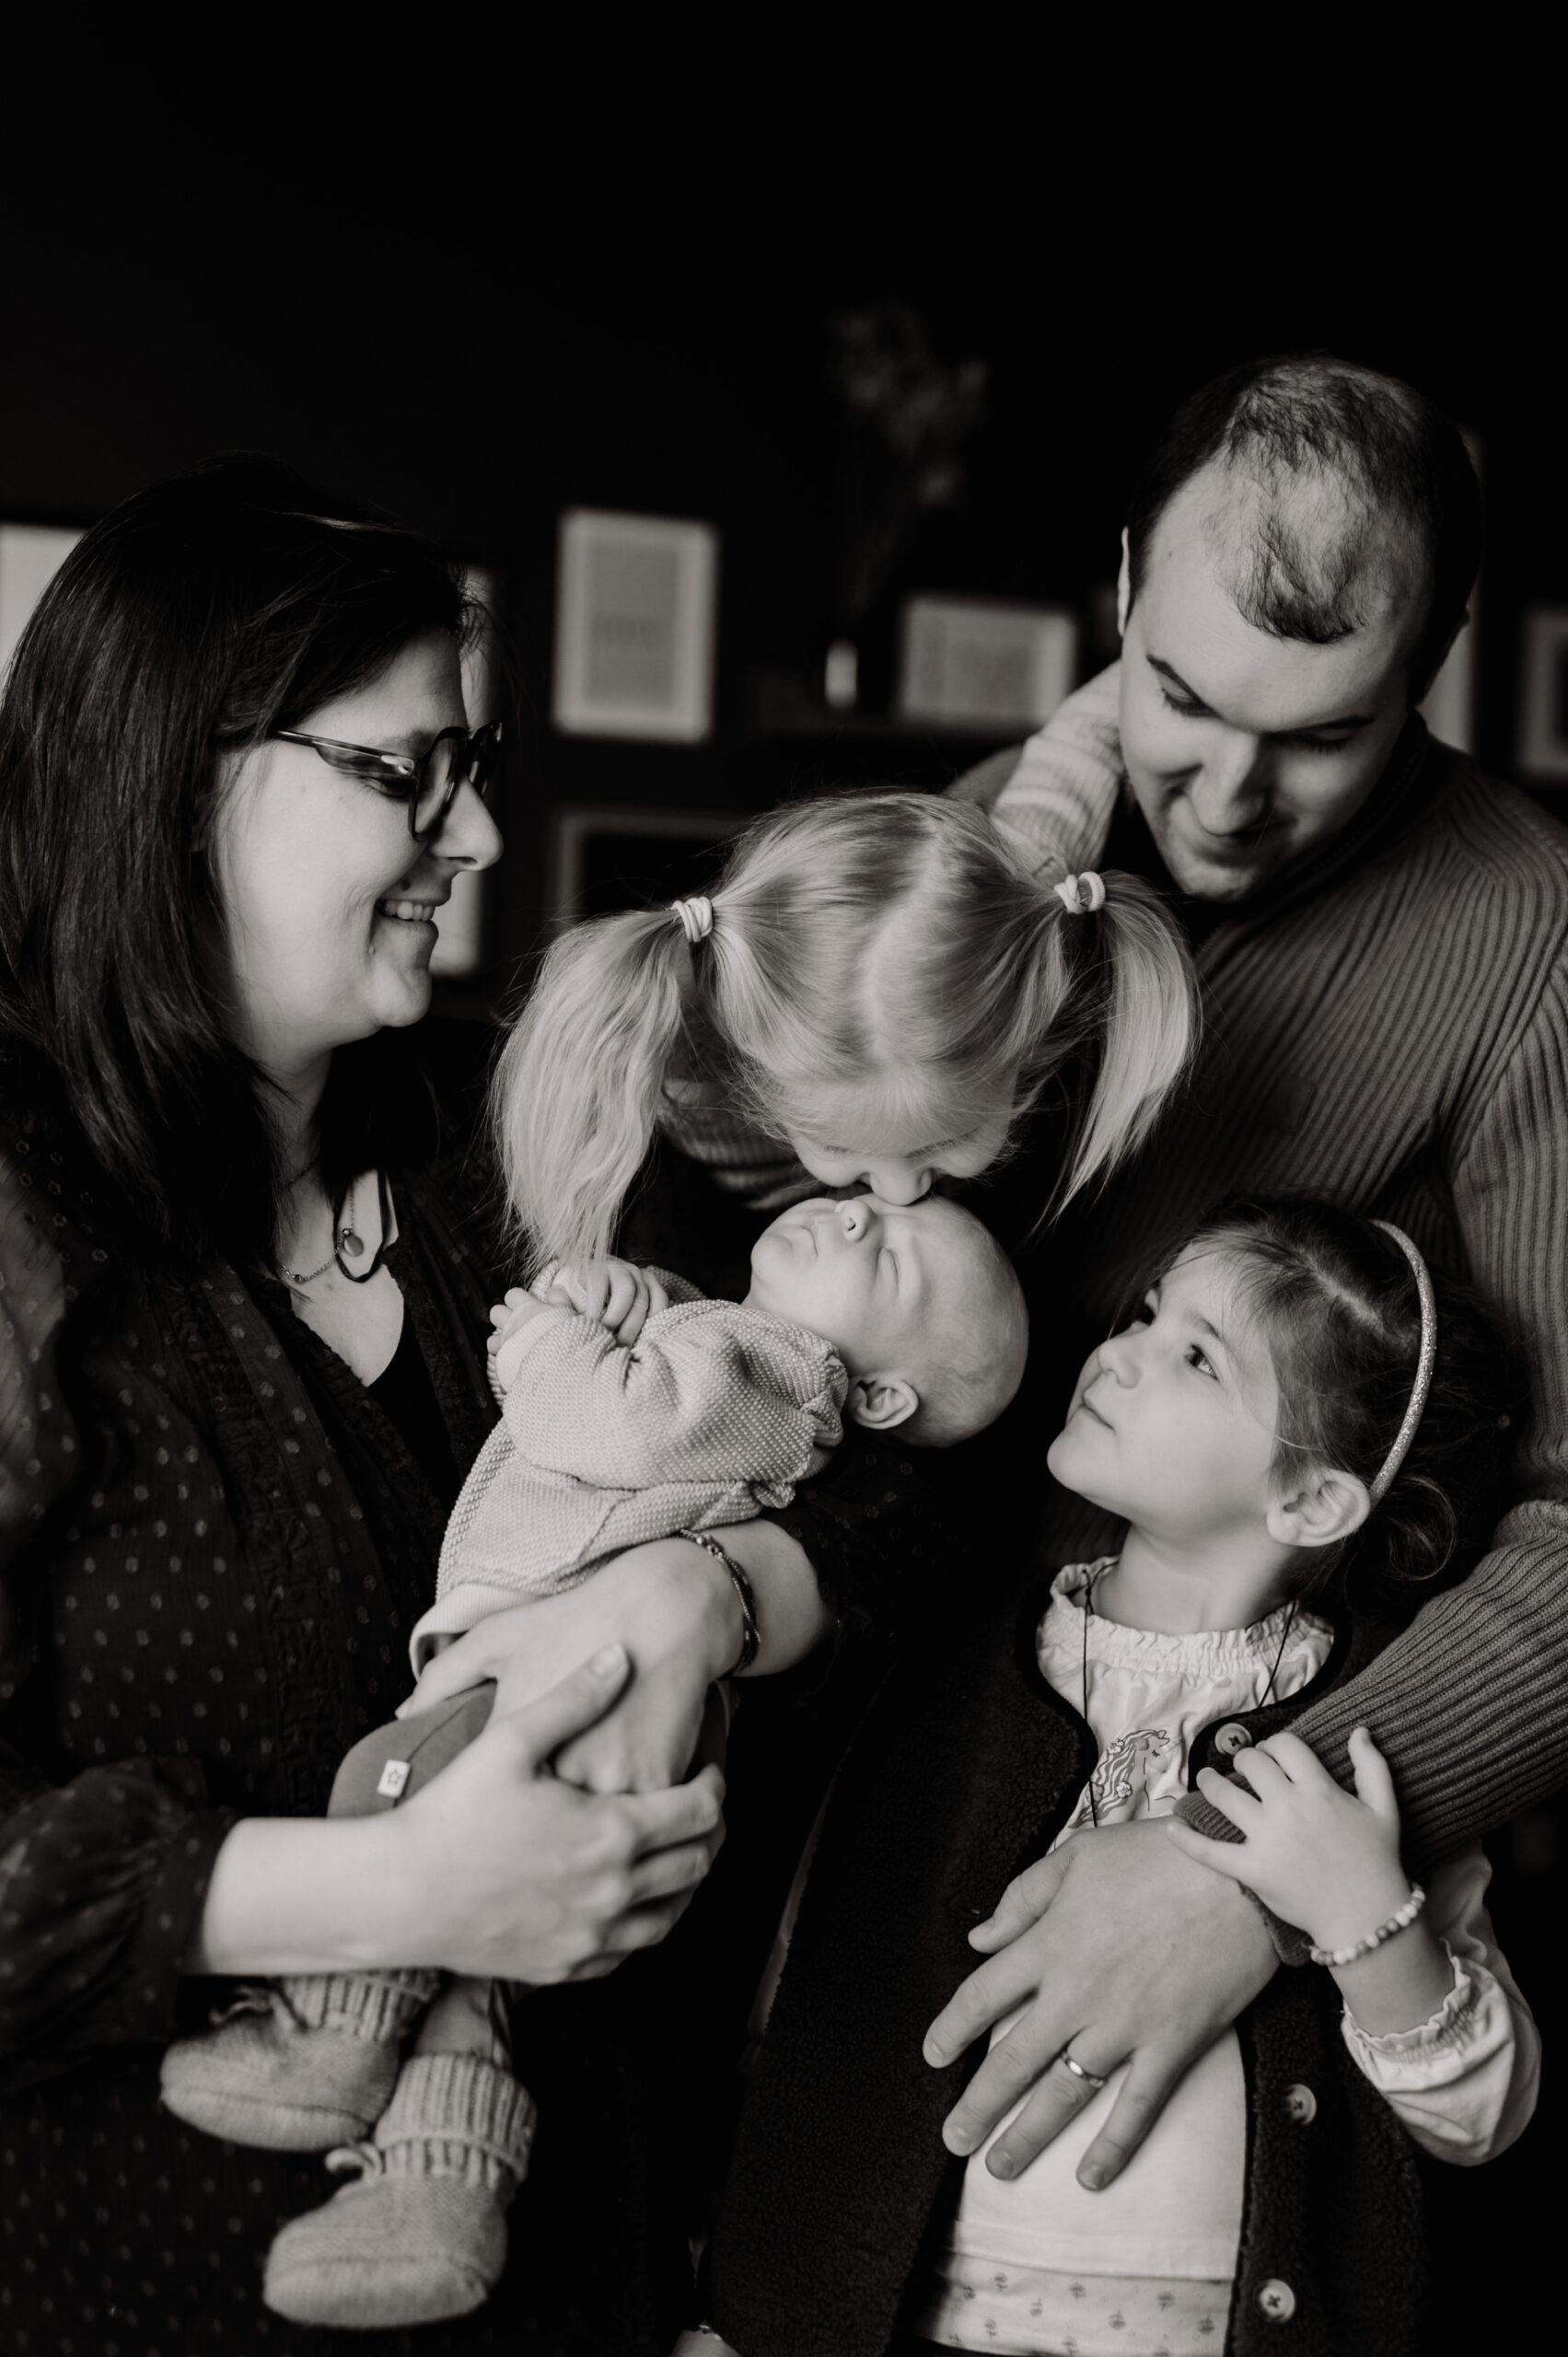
column 874, row 996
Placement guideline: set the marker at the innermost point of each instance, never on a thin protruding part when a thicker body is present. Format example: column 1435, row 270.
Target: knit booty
column 422, row 2235
column 300, row 2063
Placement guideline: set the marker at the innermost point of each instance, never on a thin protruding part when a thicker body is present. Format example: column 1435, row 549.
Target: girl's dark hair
column 198, row 617
column 1335, row 1299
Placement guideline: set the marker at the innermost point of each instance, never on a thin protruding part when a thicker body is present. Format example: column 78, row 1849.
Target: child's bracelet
column 1396, row 1923
column 751, row 1634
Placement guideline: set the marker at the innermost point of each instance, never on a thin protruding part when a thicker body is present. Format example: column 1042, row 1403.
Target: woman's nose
column 470, row 837
column 898, row 1182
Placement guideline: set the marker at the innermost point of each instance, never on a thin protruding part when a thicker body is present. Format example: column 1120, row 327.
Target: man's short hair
column 1294, row 426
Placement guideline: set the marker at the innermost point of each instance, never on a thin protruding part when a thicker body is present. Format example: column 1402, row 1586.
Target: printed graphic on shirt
column 1120, row 1776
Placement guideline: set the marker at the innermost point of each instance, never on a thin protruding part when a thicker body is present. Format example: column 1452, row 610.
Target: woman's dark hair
column 1400, row 459
column 1336, row 1301
column 198, row 617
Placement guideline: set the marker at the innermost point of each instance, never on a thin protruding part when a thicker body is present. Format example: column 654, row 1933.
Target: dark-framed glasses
column 428, row 783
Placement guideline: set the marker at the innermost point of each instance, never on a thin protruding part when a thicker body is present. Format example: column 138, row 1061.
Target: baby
column 632, row 1409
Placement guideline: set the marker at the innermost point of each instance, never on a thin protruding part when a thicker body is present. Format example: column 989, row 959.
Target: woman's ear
column 880, row 1401
column 1123, row 590
column 1319, row 1509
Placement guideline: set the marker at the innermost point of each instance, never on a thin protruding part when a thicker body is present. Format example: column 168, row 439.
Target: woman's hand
column 1319, row 1856
column 497, row 1868
column 1123, row 1951
column 669, row 1604
column 522, row 1876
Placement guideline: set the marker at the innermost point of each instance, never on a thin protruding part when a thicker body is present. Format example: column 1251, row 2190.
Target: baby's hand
column 508, row 1315
column 619, row 1294
column 1319, row 1856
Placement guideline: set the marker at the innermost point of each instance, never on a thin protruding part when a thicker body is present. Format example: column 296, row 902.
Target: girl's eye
column 1174, row 704
column 1195, row 1358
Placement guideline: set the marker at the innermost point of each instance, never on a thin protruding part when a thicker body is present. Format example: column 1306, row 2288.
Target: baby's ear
column 1320, row 1507
column 880, row 1401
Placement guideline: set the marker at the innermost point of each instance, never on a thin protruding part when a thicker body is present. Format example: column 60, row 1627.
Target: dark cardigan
column 962, row 1773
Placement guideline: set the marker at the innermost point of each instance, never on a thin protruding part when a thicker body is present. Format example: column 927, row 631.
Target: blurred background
column 788, row 461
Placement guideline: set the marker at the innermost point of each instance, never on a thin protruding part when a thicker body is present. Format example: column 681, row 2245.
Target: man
column 1380, row 933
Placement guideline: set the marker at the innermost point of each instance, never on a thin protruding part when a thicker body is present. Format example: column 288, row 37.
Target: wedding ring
column 1090, row 2078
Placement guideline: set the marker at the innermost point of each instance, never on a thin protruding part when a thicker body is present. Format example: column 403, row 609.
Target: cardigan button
column 1231, row 1740
column 1301, row 2106
column 1277, row 2301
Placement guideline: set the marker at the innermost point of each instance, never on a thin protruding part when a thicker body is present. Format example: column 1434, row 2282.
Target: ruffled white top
column 1028, row 2256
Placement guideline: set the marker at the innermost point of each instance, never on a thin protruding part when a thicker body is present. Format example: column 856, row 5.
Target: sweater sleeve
column 1465, row 2082
column 708, row 1393
column 1467, row 1702
column 102, row 1878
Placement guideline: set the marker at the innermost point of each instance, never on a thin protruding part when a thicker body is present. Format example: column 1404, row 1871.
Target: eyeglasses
column 429, row 783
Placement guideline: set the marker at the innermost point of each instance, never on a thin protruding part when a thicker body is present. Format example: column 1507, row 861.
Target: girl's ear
column 880, row 1401
column 1319, row 1509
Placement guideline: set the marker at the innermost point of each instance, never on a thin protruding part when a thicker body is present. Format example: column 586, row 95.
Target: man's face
column 1244, row 750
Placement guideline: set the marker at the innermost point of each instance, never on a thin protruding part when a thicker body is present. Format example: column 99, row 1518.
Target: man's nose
column 1230, row 794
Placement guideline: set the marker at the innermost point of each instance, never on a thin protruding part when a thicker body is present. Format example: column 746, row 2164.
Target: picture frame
column 30, row 556
column 1542, row 749
column 609, row 856
column 984, row 665
column 636, row 605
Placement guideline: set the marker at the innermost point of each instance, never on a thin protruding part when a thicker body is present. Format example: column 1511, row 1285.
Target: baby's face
column 874, row 1279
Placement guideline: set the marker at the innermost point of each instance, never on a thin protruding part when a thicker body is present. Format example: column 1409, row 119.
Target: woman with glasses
column 244, row 1292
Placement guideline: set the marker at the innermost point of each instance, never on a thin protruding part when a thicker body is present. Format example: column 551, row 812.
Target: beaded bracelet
column 751, row 1636
column 1396, row 1923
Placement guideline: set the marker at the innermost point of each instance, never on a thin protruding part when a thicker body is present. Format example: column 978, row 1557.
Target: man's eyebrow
column 1348, row 722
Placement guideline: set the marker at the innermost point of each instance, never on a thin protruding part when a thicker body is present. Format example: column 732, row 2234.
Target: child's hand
column 619, row 1296
column 1319, row 1856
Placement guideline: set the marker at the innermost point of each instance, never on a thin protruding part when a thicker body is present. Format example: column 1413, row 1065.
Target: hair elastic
column 1424, row 1364
column 1081, row 895
column 696, row 917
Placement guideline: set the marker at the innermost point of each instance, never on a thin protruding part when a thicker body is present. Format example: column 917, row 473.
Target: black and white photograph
column 783, row 1203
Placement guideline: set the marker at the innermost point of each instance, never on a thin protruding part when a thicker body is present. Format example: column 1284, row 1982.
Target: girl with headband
column 1295, row 1418
column 875, row 994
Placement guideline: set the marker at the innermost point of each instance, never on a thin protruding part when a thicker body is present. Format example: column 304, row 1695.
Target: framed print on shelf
column 31, row 555
column 978, row 664
column 1543, row 700
column 634, row 626
column 610, row 855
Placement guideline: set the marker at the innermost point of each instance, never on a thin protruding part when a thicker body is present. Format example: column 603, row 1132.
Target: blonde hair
column 889, row 940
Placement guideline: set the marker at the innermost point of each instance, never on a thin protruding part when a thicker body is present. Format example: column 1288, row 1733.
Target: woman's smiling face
column 328, row 901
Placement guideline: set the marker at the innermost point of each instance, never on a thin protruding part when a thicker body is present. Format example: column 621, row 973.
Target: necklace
column 1089, row 1597
column 345, row 1238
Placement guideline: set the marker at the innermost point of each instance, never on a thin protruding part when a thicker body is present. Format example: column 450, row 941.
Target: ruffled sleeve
column 101, row 1878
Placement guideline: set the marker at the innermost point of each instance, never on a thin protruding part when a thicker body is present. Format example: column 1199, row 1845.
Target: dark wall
column 480, row 364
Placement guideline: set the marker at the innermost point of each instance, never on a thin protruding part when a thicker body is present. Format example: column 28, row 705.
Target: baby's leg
column 310, row 2060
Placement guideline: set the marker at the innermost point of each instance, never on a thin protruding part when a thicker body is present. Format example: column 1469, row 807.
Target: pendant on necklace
column 350, row 1243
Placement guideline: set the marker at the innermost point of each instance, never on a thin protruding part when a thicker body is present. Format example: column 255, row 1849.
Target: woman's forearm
column 792, row 1615
column 302, row 1895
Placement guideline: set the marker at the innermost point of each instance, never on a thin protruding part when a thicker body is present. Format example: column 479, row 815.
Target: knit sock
column 300, row 2063
column 423, row 2233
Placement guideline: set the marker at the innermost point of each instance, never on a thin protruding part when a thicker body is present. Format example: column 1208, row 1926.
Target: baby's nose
column 856, row 1217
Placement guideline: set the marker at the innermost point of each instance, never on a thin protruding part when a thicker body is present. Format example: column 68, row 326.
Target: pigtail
column 578, row 1086
column 1146, row 1016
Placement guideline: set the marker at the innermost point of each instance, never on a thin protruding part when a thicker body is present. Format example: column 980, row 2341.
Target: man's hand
column 1123, row 1951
